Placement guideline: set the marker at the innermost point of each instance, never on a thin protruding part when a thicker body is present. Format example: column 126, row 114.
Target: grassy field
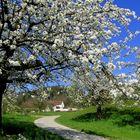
column 117, row 124
column 18, row 126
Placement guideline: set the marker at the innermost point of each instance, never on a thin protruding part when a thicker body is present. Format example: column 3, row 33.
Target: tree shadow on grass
column 85, row 117
column 125, row 117
column 120, row 117
column 13, row 127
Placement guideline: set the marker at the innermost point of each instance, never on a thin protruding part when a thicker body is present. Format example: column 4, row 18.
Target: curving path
column 66, row 132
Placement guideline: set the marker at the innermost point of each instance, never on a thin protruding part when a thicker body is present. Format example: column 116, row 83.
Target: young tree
column 39, row 37
column 99, row 86
column 94, row 90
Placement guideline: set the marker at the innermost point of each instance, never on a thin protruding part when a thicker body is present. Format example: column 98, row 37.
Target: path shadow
column 73, row 134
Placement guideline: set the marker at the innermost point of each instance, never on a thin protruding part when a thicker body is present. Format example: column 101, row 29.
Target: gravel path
column 66, row 132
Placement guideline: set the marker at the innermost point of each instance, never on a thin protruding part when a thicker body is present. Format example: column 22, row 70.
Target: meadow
column 117, row 124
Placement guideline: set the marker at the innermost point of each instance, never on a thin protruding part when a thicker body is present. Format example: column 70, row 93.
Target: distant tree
column 100, row 87
column 10, row 102
column 91, row 90
column 34, row 100
column 55, row 91
column 40, row 98
column 77, row 96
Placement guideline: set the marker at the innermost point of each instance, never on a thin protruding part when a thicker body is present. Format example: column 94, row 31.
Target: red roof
column 54, row 103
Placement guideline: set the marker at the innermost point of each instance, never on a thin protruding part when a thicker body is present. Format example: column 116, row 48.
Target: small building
column 58, row 106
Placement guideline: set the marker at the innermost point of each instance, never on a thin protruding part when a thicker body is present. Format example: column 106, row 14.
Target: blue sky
column 132, row 5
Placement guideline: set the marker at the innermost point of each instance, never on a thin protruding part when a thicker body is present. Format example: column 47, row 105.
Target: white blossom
column 14, row 63
column 58, row 42
column 114, row 46
column 12, row 47
column 122, row 75
column 31, row 57
column 111, row 66
column 0, row 71
column 0, row 42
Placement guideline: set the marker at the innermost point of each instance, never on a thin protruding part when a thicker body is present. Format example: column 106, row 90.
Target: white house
column 58, row 106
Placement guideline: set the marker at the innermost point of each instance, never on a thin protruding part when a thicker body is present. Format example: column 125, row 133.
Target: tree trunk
column 2, row 89
column 98, row 112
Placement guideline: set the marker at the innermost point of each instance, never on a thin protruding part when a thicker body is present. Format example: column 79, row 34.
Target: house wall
column 61, row 107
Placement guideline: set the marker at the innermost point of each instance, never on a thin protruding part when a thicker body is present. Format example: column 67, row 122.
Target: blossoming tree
column 39, row 37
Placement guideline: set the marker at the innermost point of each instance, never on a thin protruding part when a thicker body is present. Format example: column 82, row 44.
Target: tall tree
column 39, row 37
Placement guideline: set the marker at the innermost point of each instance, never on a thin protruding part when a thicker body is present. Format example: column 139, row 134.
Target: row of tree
column 36, row 100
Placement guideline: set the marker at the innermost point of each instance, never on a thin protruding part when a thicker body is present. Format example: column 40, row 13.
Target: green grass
column 118, row 124
column 15, row 124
